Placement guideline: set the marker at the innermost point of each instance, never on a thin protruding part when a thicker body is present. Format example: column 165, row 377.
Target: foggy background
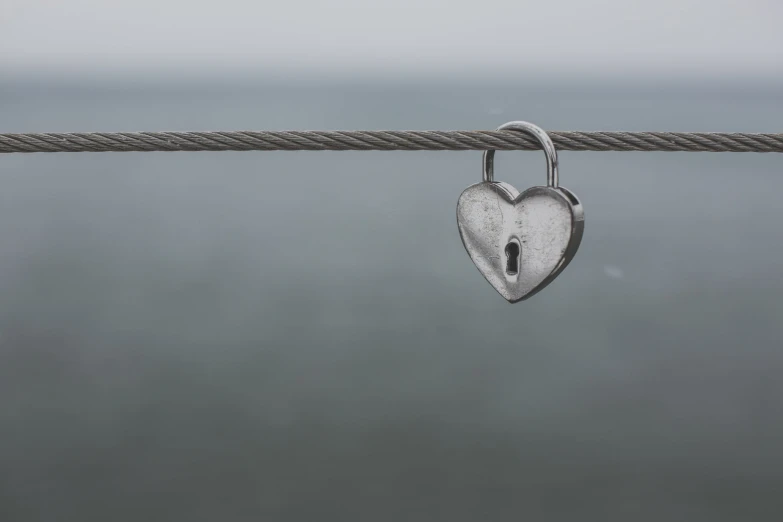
column 301, row 336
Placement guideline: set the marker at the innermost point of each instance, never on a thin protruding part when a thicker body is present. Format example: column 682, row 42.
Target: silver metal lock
column 520, row 242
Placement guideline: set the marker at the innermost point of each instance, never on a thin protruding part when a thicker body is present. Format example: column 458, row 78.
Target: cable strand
column 386, row 140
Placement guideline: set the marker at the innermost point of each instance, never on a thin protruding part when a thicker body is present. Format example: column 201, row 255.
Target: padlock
column 520, row 242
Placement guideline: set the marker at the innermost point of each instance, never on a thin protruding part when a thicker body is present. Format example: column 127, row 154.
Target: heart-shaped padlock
column 520, row 242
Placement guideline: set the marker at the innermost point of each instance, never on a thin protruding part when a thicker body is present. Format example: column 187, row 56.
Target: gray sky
column 693, row 37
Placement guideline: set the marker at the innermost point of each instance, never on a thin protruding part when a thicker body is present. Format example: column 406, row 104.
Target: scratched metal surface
column 543, row 225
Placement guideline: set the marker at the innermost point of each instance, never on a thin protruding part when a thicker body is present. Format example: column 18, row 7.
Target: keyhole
column 512, row 258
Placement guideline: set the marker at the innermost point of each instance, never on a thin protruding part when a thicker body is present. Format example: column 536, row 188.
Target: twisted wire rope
column 386, row 140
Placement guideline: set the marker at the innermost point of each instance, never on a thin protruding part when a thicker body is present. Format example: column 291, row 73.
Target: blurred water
column 299, row 336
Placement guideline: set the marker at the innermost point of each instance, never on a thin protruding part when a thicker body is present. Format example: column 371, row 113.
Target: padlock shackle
column 546, row 143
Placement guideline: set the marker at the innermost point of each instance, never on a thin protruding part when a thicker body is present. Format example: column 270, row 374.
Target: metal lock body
column 520, row 242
